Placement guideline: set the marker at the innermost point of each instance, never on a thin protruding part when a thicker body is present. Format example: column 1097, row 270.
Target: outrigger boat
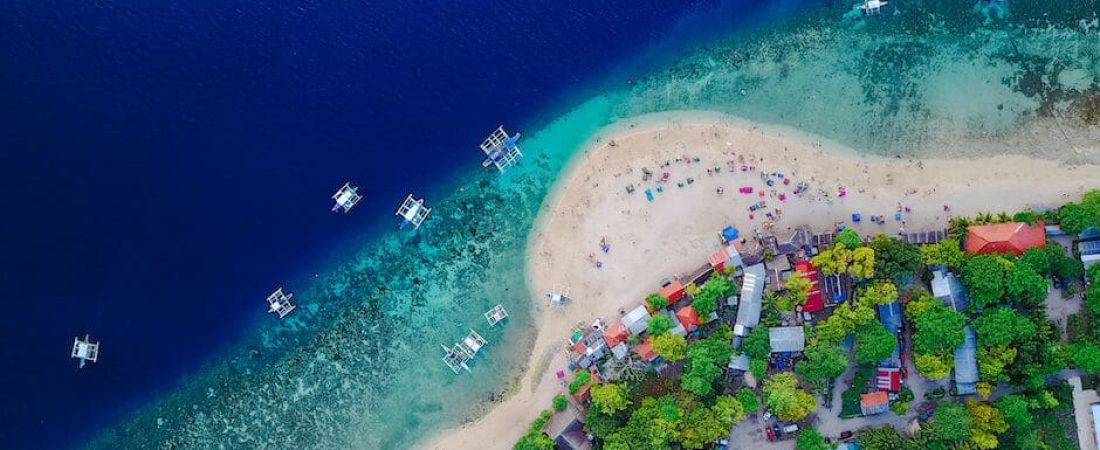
column 456, row 356
column 85, row 350
column 413, row 212
column 346, row 197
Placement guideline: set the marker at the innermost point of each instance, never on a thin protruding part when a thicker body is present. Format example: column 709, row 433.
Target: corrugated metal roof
column 1089, row 247
column 787, row 339
column 966, row 360
column 637, row 320
column 947, row 288
column 752, row 292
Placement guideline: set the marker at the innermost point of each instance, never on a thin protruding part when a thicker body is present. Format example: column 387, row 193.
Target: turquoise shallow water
column 359, row 366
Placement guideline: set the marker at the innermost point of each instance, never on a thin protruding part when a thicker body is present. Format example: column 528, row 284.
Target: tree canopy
column 810, row 439
column 797, row 289
column 933, row 367
column 1002, row 326
column 1025, row 285
column 609, row 398
column 706, row 358
column 947, row 252
column 670, row 346
column 758, row 343
column 985, row 424
column 706, row 301
column 984, row 277
column 783, row 397
column 660, row 324
column 882, row 293
column 873, row 343
column 939, row 329
column 894, row 258
column 951, row 422
column 824, row 361
column 1075, row 217
column 656, row 301
column 850, row 238
column 749, row 403
column 1036, row 258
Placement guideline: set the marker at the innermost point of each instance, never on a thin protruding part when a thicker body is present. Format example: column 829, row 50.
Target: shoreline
column 587, row 201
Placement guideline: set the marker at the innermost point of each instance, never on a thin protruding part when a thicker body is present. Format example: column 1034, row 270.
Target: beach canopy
column 1011, row 237
column 673, row 291
column 855, row 217
column 688, row 317
column 730, row 234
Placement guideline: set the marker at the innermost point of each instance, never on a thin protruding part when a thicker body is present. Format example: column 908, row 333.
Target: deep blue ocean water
column 165, row 165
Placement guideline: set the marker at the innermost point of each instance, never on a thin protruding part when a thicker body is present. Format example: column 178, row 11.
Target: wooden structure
column 500, row 149
column 85, row 350
column 346, row 197
column 413, row 212
column 496, row 315
column 457, row 356
column 279, row 303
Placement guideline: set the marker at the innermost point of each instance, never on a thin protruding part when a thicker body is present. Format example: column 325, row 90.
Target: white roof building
column 787, row 339
column 637, row 321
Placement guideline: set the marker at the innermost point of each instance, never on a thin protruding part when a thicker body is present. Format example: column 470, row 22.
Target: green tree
column 993, row 360
column 1086, row 356
column 609, row 398
column 783, row 398
column 882, row 293
column 951, row 422
column 810, row 439
column 660, row 324
column 706, row 358
column 873, row 343
column 1092, row 296
column 758, row 343
column 947, row 252
column 670, row 346
column 560, row 402
column 535, row 439
column 1037, row 259
column 580, row 380
column 939, row 330
column 850, row 238
column 882, row 438
column 984, row 277
column 833, row 261
column 758, row 367
column 863, row 263
column 932, row 366
column 749, row 403
column 701, row 427
column 1002, row 326
column 894, row 258
column 729, row 409
column 823, row 361
column 706, row 301
column 1062, row 265
column 797, row 289
column 985, row 424
column 1014, row 410
column 1074, row 217
column 1023, row 284
column 656, row 301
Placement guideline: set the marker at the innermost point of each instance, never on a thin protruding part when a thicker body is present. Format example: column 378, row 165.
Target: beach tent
column 688, row 317
column 1011, row 237
column 636, row 321
column 730, row 234
column 673, row 291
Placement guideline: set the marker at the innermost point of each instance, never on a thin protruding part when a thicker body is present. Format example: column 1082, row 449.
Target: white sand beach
column 676, row 232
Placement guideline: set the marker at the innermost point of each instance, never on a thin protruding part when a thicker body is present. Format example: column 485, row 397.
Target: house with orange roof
column 1011, row 237
column 874, row 403
column 688, row 317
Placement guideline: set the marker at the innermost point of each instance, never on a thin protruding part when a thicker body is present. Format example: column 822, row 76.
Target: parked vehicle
column 845, row 434
column 777, row 430
column 792, row 428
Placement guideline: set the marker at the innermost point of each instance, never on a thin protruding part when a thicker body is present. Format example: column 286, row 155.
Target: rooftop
column 787, row 339
column 1011, row 237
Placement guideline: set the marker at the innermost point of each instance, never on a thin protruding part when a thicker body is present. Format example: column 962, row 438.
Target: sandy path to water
column 678, row 230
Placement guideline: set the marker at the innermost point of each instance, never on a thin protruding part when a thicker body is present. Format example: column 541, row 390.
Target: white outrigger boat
column 457, row 356
column 85, row 350
column 279, row 303
column 413, row 212
column 500, row 149
column 496, row 315
column 346, row 197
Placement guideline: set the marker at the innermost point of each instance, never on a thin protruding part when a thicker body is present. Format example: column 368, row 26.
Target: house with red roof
column 814, row 301
column 673, row 291
column 1011, row 237
column 688, row 317
column 888, row 379
column 645, row 350
column 874, row 403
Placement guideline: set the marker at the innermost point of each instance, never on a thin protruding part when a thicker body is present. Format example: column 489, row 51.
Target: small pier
column 346, row 197
column 413, row 212
column 456, row 356
column 501, row 150
column 279, row 303
column 85, row 350
column 496, row 315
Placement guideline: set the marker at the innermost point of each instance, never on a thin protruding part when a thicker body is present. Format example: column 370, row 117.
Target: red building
column 615, row 335
column 688, row 317
column 1012, row 237
column 814, row 301
column 673, row 291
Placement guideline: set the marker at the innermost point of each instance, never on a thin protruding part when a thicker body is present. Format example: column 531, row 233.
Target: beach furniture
column 496, row 315
column 649, row 195
column 346, row 197
column 897, row 216
column 413, row 212
column 856, row 218
column 500, row 149
column 279, row 303
column 85, row 350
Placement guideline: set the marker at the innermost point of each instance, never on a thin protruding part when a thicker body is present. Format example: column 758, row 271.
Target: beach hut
column 496, row 315
column 688, row 317
column 672, row 290
column 412, row 212
column 888, row 379
column 1011, row 237
column 752, row 294
column 500, row 149
column 874, row 403
column 718, row 259
column 966, row 364
column 787, row 339
column 636, row 321
column 814, row 301
column 279, row 303
column 346, row 197
column 678, row 328
column 85, row 350
column 589, row 348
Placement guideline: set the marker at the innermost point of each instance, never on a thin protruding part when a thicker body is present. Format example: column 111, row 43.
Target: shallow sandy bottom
column 674, row 233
